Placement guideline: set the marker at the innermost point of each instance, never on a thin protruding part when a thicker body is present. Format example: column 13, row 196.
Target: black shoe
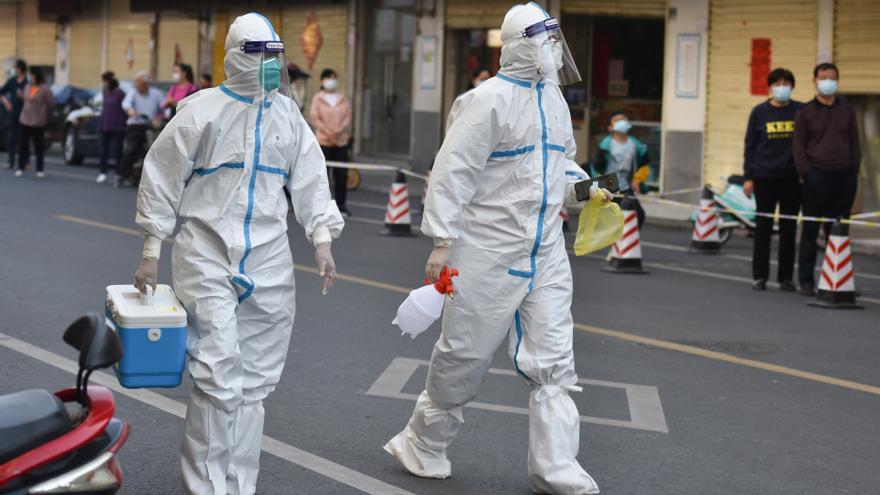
column 808, row 290
column 760, row 284
column 787, row 286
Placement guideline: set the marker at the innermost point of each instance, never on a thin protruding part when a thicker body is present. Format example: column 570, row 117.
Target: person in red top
column 330, row 115
column 184, row 85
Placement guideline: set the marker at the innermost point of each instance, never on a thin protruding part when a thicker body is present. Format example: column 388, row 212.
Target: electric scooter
column 66, row 442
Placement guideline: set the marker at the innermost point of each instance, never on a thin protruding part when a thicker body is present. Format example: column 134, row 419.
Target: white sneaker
column 102, row 178
column 41, row 175
column 18, row 173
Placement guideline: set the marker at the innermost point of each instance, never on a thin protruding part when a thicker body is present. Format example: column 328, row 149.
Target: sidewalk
column 865, row 240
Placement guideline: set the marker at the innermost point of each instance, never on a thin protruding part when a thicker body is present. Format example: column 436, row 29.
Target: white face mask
column 330, row 84
column 550, row 59
column 175, row 77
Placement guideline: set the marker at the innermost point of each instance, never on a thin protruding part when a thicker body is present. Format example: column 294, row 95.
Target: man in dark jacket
column 770, row 173
column 827, row 156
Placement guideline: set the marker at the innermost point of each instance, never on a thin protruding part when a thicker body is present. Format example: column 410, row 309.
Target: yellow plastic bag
column 599, row 226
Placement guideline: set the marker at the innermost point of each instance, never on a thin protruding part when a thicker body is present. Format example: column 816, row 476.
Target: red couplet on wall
column 760, row 66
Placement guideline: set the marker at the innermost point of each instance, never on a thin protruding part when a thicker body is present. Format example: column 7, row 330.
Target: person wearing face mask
column 216, row 176
column 626, row 156
column 330, row 115
column 827, row 155
column 479, row 76
column 499, row 182
column 184, row 85
column 770, row 174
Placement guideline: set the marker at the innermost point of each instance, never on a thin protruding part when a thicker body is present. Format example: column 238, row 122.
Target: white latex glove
column 606, row 194
column 147, row 274
column 436, row 262
column 326, row 265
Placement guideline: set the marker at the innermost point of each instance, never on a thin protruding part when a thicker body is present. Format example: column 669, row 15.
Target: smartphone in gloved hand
column 607, row 181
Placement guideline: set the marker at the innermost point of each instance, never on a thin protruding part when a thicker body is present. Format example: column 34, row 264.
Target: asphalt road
column 694, row 383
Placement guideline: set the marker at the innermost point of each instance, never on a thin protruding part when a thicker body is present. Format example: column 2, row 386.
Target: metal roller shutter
column 618, row 8
column 857, row 45
column 468, row 14
column 733, row 25
column 124, row 26
column 85, row 48
column 8, row 30
column 333, row 22
column 36, row 39
column 177, row 32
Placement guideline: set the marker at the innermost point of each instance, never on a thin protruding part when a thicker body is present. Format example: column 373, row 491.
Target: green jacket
column 625, row 174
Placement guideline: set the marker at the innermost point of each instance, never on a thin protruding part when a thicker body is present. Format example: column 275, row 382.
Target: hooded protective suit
column 220, row 166
column 497, row 187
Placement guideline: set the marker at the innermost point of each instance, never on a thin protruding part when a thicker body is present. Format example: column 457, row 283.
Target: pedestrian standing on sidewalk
column 111, row 124
column 143, row 106
column 478, row 76
column 771, row 175
column 827, row 155
column 38, row 102
column 626, row 156
column 184, row 85
column 330, row 115
column 12, row 96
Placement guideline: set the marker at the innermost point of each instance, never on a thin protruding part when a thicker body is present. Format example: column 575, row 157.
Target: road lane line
column 663, row 344
column 100, row 225
column 720, row 356
column 312, row 462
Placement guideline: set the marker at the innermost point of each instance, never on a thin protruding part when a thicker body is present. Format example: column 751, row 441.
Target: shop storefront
column 856, row 47
column 620, row 56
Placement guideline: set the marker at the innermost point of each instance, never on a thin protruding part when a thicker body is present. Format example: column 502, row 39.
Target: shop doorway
column 389, row 34
column 468, row 50
column 621, row 61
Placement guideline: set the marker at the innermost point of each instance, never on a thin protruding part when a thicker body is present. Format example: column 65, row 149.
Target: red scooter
column 65, row 442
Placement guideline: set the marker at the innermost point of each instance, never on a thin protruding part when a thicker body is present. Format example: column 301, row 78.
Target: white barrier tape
column 870, row 214
column 679, row 191
column 376, row 167
column 800, row 218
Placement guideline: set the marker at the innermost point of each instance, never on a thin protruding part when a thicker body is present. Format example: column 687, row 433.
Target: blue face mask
column 827, row 87
column 622, row 126
column 781, row 93
column 270, row 74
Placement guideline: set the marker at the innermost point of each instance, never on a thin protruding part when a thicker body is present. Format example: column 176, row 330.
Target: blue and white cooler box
column 153, row 335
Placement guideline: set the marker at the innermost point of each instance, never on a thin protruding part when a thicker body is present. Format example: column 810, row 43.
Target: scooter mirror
column 98, row 346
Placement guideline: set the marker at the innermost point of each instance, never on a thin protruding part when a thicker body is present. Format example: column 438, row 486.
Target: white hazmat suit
column 220, row 166
column 497, row 188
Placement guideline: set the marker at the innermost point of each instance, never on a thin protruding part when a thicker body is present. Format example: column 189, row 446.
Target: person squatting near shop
column 498, row 185
column 219, row 168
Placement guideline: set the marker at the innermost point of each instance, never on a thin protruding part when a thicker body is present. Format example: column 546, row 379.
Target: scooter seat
column 29, row 419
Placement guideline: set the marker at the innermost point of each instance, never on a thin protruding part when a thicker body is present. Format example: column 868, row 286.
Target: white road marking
column 645, row 410
column 312, row 462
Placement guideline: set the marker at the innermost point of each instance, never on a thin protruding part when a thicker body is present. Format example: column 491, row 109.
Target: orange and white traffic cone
column 837, row 288
column 398, row 221
column 705, row 238
column 626, row 253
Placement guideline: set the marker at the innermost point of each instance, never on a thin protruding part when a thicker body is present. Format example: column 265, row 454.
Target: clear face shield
column 554, row 59
column 272, row 75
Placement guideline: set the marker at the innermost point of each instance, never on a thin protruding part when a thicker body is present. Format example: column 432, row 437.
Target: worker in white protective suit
column 220, row 167
column 493, row 208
